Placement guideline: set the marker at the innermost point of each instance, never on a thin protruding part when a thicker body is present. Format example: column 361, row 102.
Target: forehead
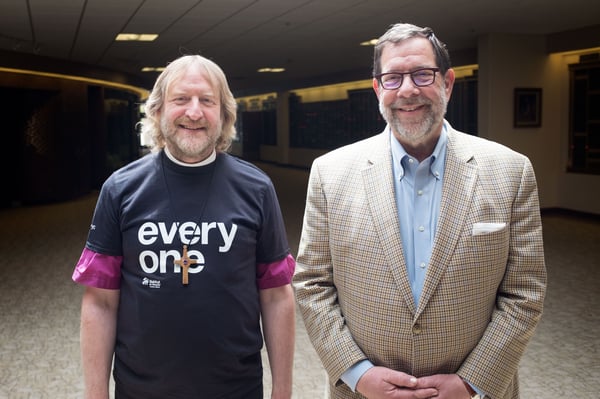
column 192, row 79
column 411, row 53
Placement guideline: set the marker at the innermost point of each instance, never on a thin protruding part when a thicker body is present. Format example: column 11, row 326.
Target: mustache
column 190, row 123
column 409, row 103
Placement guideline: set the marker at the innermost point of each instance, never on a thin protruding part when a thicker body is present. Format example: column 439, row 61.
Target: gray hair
column 401, row 31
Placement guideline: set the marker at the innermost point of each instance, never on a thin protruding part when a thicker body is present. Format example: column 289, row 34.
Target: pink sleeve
column 98, row 270
column 276, row 274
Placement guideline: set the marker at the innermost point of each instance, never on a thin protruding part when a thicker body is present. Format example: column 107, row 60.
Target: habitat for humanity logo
column 151, row 283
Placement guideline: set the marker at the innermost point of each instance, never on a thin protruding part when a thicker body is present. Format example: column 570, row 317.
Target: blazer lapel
column 378, row 180
column 460, row 176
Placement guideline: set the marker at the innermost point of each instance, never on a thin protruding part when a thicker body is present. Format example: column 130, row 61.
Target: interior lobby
column 71, row 109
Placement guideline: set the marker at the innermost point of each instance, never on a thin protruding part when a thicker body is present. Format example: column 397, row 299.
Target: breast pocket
column 489, row 241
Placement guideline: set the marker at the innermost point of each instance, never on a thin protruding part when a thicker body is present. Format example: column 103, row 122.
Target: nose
column 407, row 88
column 194, row 110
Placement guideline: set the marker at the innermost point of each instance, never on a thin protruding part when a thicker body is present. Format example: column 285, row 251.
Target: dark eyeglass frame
column 412, row 77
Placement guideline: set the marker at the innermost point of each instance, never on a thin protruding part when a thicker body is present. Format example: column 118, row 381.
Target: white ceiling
column 310, row 38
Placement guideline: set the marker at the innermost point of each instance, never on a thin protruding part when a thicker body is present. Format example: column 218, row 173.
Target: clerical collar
column 211, row 158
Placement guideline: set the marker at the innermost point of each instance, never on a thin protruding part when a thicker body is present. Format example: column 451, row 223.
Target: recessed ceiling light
column 153, row 69
column 371, row 42
column 136, row 37
column 274, row 70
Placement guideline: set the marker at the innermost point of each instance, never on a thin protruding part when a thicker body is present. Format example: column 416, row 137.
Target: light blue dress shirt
column 418, row 188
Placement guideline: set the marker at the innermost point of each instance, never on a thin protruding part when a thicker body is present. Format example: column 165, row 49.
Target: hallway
column 39, row 304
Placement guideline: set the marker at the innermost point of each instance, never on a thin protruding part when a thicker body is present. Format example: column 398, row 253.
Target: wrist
column 472, row 393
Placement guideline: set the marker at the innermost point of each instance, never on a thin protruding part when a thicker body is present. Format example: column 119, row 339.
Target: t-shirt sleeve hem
column 98, row 270
column 275, row 274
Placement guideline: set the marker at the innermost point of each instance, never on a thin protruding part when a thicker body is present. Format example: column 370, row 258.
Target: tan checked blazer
column 483, row 294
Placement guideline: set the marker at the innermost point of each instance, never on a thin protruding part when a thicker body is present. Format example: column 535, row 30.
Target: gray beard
column 415, row 132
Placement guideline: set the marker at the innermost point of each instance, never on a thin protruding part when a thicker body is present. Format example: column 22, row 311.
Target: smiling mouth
column 192, row 127
column 410, row 108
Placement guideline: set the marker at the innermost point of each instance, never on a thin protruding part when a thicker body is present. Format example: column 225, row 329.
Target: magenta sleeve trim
column 276, row 274
column 98, row 270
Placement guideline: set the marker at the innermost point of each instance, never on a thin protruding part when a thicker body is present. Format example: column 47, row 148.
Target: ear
column 449, row 81
column 376, row 87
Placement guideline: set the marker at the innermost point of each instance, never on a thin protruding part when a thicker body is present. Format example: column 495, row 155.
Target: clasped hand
column 383, row 383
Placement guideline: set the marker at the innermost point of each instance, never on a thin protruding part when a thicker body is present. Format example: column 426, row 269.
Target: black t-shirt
column 200, row 340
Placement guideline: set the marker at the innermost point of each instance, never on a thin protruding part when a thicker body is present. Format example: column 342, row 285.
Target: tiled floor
column 39, row 305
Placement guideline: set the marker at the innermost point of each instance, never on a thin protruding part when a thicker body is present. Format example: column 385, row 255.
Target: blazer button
column 417, row 329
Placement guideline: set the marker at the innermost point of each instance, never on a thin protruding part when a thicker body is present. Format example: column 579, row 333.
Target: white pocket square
column 486, row 228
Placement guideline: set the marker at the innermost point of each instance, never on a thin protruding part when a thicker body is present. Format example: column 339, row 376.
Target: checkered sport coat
column 483, row 294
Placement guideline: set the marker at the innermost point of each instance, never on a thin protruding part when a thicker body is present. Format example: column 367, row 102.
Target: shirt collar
column 436, row 159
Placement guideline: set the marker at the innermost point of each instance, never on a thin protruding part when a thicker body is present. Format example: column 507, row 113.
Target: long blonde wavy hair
column 150, row 124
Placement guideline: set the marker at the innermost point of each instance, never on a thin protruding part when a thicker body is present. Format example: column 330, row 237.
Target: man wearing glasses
column 420, row 271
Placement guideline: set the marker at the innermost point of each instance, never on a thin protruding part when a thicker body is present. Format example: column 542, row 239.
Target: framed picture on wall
column 528, row 107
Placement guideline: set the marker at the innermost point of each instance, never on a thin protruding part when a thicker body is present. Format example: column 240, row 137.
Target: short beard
column 189, row 146
column 416, row 132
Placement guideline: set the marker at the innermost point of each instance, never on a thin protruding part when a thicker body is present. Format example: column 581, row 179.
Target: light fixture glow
column 153, row 69
column 371, row 42
column 580, row 51
column 273, row 70
column 136, row 37
column 143, row 93
column 464, row 71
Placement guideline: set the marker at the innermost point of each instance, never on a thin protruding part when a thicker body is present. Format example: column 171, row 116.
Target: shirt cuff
column 479, row 391
column 353, row 374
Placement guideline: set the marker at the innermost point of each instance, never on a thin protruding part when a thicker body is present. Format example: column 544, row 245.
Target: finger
column 427, row 382
column 425, row 393
column 401, row 379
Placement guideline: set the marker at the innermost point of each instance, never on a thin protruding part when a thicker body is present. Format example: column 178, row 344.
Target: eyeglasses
column 420, row 77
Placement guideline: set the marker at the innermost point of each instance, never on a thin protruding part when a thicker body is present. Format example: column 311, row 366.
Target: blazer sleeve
column 520, row 297
column 315, row 291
